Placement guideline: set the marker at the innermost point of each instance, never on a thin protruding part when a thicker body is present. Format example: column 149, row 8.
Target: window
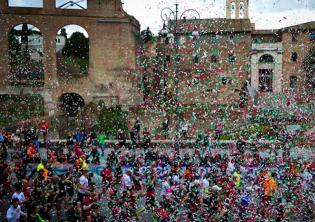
column 233, row 10
column 294, row 36
column 293, row 82
column 213, row 59
column 62, row 4
column 223, row 80
column 231, row 58
column 312, row 37
column 214, row 39
column 26, row 4
column 231, row 39
column 241, row 10
column 196, row 59
column 257, row 40
column 168, row 58
column 294, row 57
column 265, row 80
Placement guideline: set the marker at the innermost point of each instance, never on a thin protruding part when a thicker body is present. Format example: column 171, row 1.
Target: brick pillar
column 50, row 64
column 228, row 9
column 4, row 58
column 4, row 6
column 49, row 4
column 93, row 5
column 246, row 9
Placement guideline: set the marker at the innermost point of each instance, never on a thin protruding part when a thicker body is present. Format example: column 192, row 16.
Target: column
column 50, row 63
column 254, row 72
column 237, row 9
column 246, row 9
column 49, row 5
column 278, row 73
column 228, row 9
column 4, row 58
column 4, row 7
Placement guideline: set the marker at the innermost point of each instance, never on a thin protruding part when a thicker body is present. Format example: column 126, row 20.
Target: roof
column 303, row 26
column 214, row 25
column 265, row 32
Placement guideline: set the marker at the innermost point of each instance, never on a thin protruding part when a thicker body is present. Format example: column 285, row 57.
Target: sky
column 266, row 14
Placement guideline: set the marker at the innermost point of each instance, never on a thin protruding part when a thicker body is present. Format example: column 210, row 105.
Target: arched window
column 266, row 59
column 233, row 10
column 72, row 52
column 241, row 12
column 293, row 82
column 26, row 55
column 196, row 59
column 231, row 58
column 294, row 57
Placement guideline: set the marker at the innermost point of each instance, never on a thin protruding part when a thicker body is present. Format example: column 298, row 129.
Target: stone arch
column 26, row 55
column 70, row 103
column 72, row 51
column 266, row 58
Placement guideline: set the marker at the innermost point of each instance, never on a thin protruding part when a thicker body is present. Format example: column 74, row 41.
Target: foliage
column 74, row 59
column 77, row 45
column 111, row 120
column 71, row 65
column 225, row 137
column 146, row 35
column 17, row 108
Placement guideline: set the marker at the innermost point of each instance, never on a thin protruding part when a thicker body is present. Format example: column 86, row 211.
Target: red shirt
column 107, row 174
column 44, row 127
column 77, row 150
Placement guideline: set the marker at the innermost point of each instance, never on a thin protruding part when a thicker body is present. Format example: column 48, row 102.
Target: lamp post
column 167, row 14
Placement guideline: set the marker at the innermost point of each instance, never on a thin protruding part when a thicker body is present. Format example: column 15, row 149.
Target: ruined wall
column 112, row 41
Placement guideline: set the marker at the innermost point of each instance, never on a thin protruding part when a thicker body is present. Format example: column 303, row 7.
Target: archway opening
column 72, row 52
column 241, row 10
column 71, row 104
column 26, row 55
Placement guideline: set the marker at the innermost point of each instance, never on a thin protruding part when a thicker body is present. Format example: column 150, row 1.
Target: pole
column 177, row 136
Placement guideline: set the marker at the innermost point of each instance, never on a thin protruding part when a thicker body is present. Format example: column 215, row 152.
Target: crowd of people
column 151, row 184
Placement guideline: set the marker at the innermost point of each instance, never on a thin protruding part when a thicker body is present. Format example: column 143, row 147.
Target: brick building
column 223, row 60
column 215, row 65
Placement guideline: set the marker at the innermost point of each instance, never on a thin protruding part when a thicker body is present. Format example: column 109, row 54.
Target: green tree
column 77, row 45
column 112, row 119
column 146, row 35
column 309, row 67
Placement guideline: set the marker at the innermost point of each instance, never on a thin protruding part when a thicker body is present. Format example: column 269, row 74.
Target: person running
column 101, row 139
column 14, row 213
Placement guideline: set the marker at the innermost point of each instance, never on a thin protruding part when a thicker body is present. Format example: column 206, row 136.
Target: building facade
column 225, row 66
column 230, row 53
